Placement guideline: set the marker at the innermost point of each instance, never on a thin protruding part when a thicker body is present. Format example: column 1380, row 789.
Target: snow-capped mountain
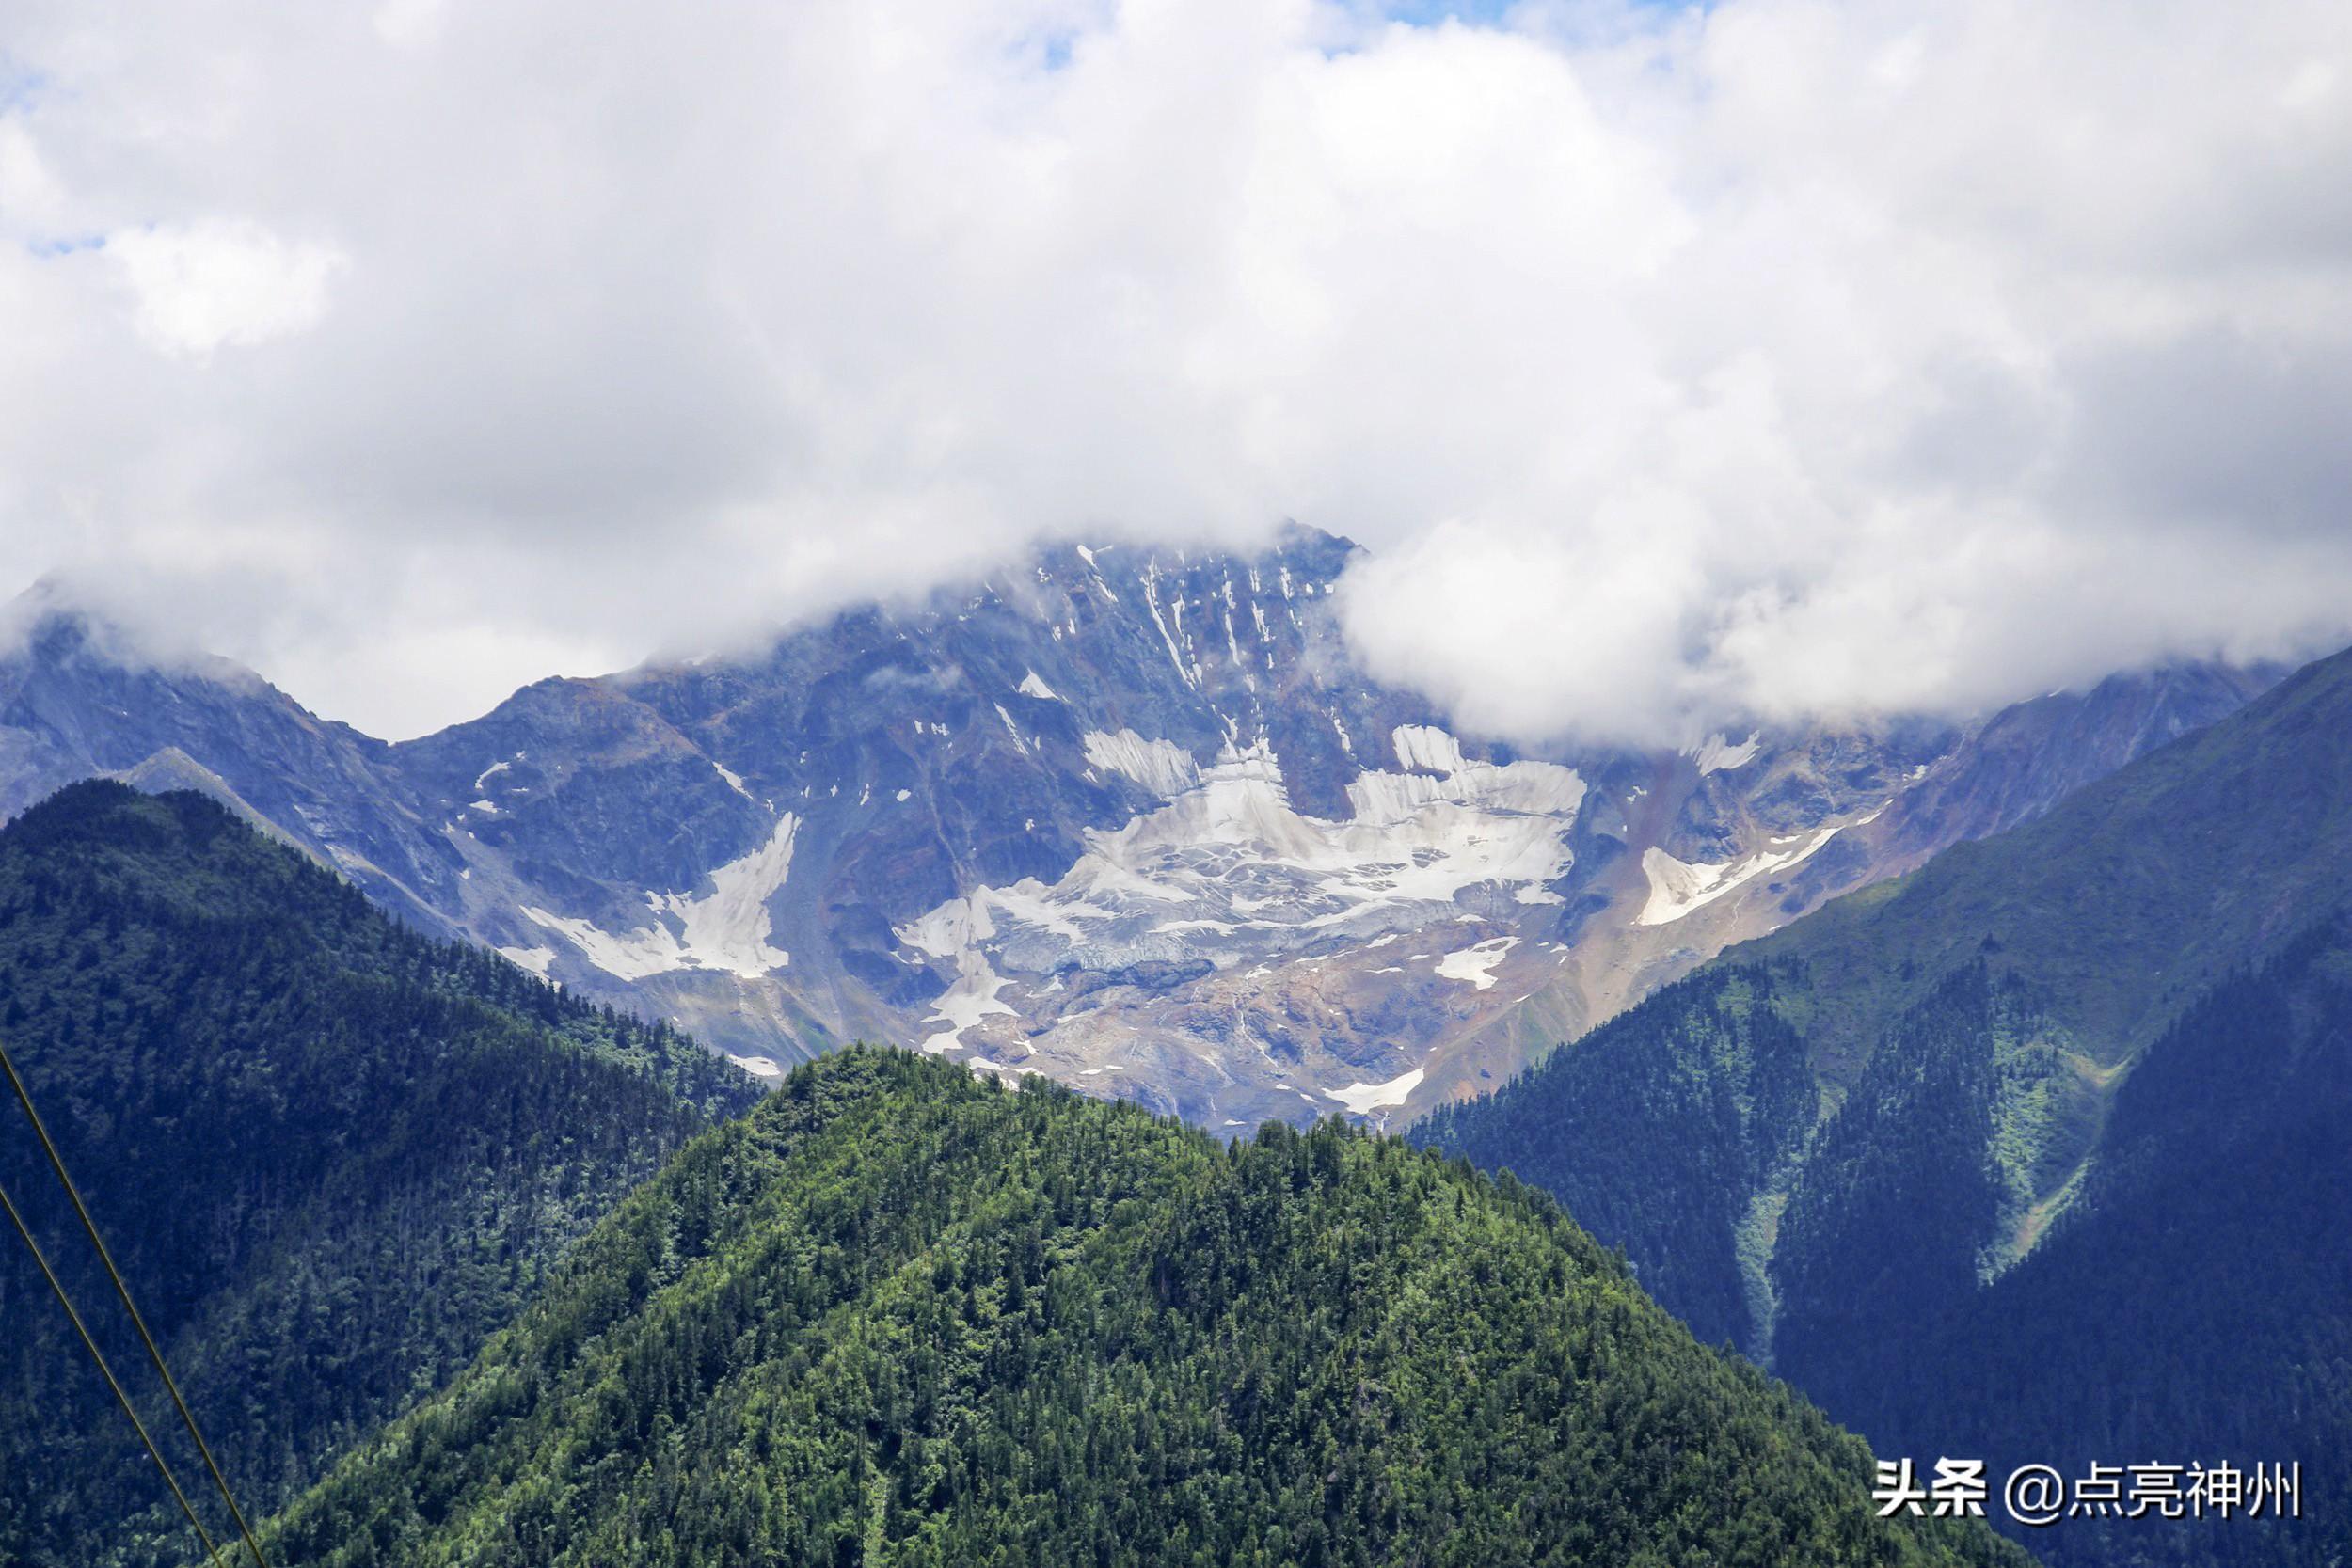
column 1130, row 818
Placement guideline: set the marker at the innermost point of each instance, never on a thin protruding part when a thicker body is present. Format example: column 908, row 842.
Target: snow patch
column 1715, row 755
column 1678, row 887
column 726, row 929
column 1426, row 746
column 1476, row 964
column 1189, row 672
column 734, row 781
column 1032, row 686
column 1364, row 1098
column 532, row 958
column 955, row 930
column 1229, row 870
column 1162, row 767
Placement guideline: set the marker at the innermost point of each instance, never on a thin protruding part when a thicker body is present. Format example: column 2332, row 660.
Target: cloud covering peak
column 1766, row 358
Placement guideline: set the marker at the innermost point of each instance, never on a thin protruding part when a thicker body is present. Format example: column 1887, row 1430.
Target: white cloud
column 1768, row 356
column 198, row 286
column 410, row 24
column 27, row 189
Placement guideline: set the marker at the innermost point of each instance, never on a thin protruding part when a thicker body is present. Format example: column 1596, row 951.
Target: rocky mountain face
column 1130, row 818
column 80, row 699
column 2030, row 756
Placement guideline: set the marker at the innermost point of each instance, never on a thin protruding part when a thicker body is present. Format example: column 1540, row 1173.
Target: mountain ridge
column 902, row 1313
column 1127, row 818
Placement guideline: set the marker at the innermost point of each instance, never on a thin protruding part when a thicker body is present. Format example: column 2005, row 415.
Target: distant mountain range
column 1133, row 819
column 2009, row 1127
column 2036, row 1153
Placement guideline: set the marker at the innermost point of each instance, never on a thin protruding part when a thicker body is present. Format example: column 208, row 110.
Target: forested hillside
column 1846, row 1130
column 899, row 1315
column 2205, row 1253
column 331, row 1156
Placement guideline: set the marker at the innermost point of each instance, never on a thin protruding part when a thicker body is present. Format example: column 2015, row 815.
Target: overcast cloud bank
column 1769, row 358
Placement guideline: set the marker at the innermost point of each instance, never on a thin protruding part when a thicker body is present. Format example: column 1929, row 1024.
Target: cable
column 96, row 1355
column 57, row 1162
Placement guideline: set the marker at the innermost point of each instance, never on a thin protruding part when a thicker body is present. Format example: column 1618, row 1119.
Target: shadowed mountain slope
column 331, row 1154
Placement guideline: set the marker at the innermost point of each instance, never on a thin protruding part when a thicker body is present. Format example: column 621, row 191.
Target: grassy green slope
column 332, row 1155
column 898, row 1316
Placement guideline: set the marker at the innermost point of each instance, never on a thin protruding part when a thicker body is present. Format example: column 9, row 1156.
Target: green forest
column 1931, row 1153
column 901, row 1316
column 333, row 1156
column 2207, row 1258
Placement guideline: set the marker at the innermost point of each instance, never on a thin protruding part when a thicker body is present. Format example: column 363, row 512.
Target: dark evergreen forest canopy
column 2195, row 1302
column 332, row 1156
column 1825, row 1145
column 898, row 1315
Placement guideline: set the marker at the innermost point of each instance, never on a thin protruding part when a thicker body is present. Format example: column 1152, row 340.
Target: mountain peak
column 57, row 621
column 47, row 618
